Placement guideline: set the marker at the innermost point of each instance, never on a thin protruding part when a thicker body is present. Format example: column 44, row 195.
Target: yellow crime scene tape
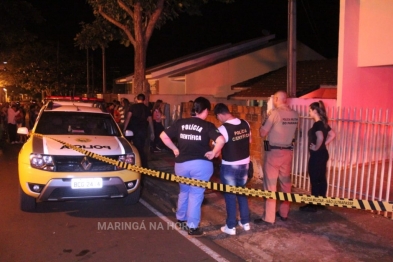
column 291, row 197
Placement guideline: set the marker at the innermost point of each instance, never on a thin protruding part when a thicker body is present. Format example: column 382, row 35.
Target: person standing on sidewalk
column 234, row 166
column 137, row 120
column 158, row 118
column 12, row 113
column 280, row 127
column 193, row 160
column 319, row 135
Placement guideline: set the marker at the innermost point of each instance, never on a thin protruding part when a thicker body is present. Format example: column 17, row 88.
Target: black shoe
column 260, row 221
column 308, row 208
column 182, row 224
column 282, row 218
column 195, row 231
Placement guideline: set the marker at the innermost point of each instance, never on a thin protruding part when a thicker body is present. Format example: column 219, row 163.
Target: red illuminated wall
column 363, row 80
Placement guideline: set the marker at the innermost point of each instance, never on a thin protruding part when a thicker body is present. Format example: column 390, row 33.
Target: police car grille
column 67, row 192
column 73, row 164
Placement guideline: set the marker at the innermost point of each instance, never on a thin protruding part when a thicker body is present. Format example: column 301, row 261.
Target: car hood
column 102, row 145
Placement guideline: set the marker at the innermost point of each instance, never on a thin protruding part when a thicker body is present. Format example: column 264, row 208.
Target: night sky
column 317, row 27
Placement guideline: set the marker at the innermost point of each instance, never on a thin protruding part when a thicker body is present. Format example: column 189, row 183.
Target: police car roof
column 76, row 108
column 70, row 106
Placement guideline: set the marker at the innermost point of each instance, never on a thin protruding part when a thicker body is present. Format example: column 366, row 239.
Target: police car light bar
column 73, row 98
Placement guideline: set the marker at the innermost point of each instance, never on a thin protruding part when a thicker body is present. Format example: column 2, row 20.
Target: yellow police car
column 50, row 171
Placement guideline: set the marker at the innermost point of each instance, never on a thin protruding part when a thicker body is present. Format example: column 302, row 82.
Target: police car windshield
column 76, row 123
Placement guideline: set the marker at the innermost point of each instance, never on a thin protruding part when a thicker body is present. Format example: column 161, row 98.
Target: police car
column 51, row 171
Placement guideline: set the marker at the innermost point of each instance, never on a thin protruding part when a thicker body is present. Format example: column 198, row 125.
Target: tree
column 137, row 19
column 97, row 35
column 33, row 66
column 41, row 68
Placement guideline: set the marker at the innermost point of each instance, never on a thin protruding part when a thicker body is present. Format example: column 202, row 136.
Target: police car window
column 77, row 124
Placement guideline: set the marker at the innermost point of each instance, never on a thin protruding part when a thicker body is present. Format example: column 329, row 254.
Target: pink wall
column 367, row 87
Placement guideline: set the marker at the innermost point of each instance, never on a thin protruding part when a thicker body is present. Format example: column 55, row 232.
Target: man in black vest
column 234, row 166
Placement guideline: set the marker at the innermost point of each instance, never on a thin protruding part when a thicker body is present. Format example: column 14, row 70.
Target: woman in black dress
column 319, row 136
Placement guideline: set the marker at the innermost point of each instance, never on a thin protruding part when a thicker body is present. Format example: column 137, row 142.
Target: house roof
column 310, row 76
column 190, row 63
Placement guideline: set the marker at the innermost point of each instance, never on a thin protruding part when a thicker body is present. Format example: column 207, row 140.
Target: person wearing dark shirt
column 137, row 120
column 158, row 117
column 234, row 166
column 193, row 160
column 319, row 136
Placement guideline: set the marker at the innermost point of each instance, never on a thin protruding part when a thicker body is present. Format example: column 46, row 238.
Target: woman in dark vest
column 193, row 160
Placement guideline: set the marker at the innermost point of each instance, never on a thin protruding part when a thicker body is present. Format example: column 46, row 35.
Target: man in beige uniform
column 280, row 127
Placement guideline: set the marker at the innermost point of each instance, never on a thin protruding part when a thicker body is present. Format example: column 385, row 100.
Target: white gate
column 360, row 164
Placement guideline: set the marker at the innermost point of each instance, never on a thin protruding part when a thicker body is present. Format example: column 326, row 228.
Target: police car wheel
column 27, row 203
column 133, row 198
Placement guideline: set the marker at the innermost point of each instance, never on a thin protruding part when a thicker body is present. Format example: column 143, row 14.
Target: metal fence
column 360, row 164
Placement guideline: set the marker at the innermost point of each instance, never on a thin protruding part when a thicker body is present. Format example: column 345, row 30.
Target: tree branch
column 126, row 8
column 154, row 18
column 118, row 24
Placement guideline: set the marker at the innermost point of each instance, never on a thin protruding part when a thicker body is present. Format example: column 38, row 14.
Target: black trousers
column 317, row 171
column 158, row 128
column 12, row 132
column 139, row 140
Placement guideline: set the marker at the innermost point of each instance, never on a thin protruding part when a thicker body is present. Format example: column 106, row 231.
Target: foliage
column 137, row 19
column 33, row 66
column 37, row 67
column 96, row 35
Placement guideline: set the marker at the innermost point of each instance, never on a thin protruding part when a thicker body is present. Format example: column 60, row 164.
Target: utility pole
column 103, row 70
column 88, row 71
column 291, row 65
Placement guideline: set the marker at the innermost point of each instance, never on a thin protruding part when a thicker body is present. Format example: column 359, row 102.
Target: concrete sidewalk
column 332, row 234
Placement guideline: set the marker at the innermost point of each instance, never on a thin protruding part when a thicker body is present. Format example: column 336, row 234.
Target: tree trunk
column 141, row 85
column 139, row 67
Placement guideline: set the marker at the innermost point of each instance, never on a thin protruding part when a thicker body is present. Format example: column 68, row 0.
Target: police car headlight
column 43, row 162
column 128, row 158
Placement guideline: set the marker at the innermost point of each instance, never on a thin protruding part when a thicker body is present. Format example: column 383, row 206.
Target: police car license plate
column 77, row 183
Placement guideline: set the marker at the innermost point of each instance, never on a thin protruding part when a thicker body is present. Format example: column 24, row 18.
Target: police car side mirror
column 129, row 133
column 23, row 131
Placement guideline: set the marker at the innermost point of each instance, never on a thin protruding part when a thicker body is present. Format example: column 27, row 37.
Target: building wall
column 217, row 80
column 375, row 22
column 166, row 86
column 363, row 86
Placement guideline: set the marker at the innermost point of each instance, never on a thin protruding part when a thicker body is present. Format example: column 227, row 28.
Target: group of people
column 14, row 115
column 279, row 129
column 190, row 141
column 194, row 153
column 140, row 119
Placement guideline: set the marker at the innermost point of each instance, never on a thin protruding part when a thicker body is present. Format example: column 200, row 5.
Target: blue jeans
column 191, row 197
column 235, row 176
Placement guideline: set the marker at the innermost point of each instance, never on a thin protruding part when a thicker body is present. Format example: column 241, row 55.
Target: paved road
column 91, row 230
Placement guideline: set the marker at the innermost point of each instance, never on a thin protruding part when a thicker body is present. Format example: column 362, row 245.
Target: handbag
column 250, row 170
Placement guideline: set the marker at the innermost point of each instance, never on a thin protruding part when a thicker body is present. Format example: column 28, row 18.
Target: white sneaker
column 246, row 226
column 229, row 231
